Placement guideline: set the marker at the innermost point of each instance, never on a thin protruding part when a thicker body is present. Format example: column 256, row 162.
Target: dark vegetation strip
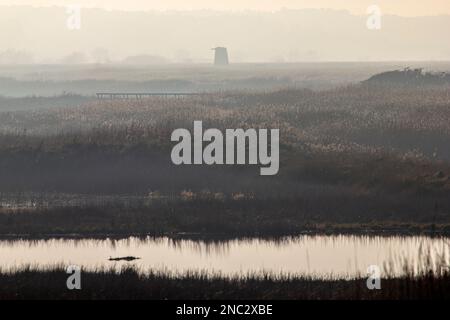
column 103, row 284
column 234, row 218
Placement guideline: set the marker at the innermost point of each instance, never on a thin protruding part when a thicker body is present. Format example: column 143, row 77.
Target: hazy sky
column 47, row 35
column 397, row 7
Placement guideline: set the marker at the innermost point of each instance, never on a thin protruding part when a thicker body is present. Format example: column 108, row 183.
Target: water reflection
column 316, row 256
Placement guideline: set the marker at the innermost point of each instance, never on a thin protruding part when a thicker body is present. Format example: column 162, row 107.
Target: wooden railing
column 140, row 95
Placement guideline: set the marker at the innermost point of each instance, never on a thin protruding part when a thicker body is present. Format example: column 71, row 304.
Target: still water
column 315, row 256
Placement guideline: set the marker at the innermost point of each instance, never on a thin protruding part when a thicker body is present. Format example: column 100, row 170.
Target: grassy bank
column 213, row 218
column 135, row 191
column 104, row 284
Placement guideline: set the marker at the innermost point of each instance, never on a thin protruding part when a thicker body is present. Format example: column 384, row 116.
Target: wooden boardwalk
column 140, row 95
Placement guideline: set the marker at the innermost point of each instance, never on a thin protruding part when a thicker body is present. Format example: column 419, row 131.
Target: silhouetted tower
column 220, row 56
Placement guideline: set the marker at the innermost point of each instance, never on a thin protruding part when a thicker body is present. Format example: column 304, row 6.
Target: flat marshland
column 355, row 158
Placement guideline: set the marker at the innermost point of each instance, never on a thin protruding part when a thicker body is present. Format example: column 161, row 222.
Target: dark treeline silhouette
column 410, row 77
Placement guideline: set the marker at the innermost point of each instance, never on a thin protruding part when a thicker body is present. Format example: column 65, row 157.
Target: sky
column 407, row 8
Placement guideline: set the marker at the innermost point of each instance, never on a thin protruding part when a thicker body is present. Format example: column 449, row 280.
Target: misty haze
column 355, row 96
column 40, row 35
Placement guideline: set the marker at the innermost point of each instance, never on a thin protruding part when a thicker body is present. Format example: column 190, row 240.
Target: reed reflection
column 339, row 256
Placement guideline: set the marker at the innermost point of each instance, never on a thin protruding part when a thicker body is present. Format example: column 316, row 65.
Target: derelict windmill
column 220, row 56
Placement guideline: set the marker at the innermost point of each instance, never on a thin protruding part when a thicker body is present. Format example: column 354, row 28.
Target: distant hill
column 409, row 77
